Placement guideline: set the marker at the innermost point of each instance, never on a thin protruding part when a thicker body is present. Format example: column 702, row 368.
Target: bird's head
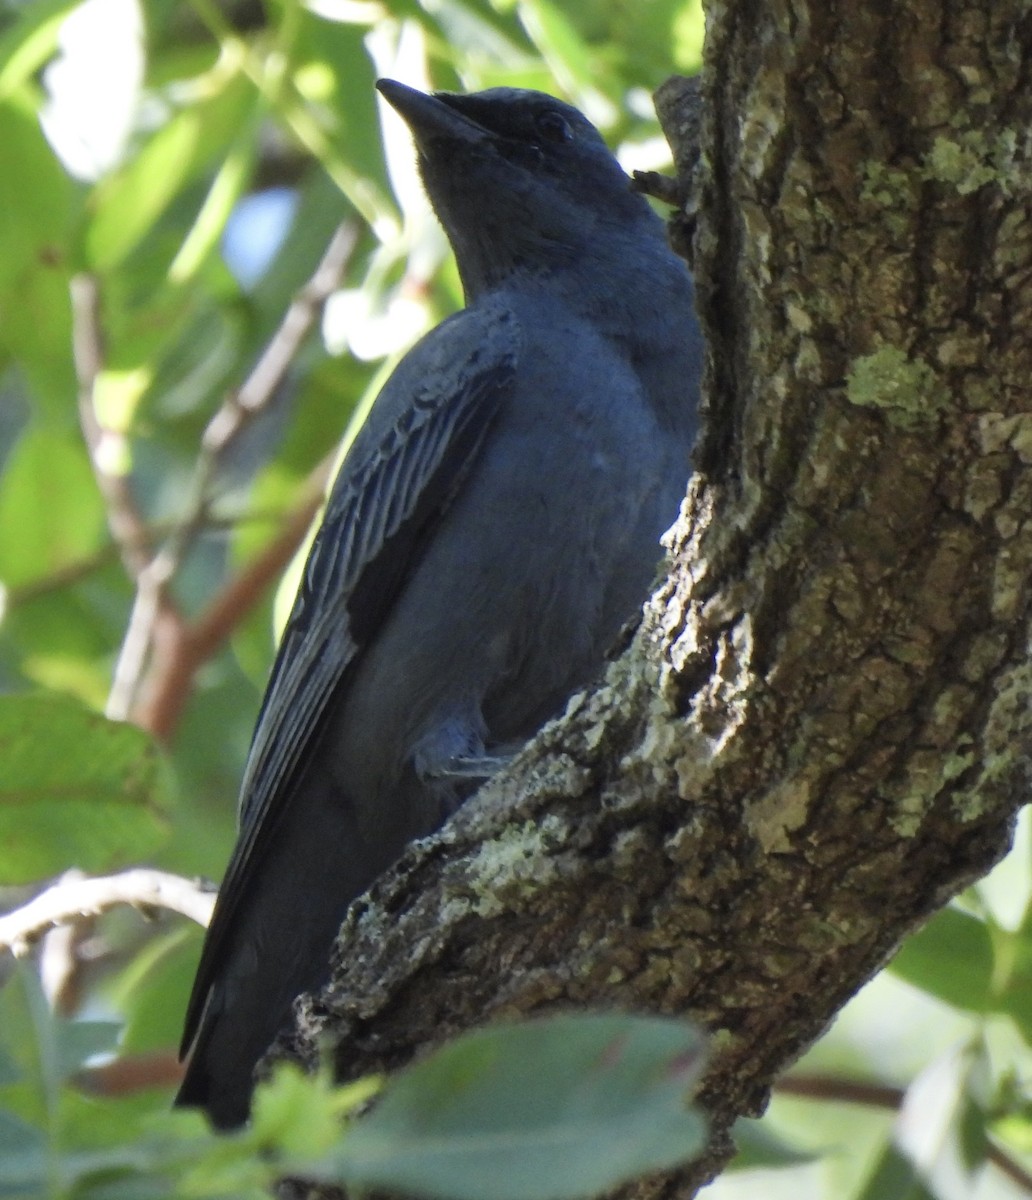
column 521, row 181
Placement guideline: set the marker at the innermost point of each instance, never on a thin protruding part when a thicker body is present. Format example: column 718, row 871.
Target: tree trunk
column 820, row 733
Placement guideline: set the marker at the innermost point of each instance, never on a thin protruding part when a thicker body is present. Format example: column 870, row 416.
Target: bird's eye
column 554, row 127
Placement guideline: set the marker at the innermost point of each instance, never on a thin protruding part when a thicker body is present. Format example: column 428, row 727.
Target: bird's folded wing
column 408, row 461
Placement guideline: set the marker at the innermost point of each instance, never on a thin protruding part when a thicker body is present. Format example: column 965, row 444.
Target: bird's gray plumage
column 494, row 523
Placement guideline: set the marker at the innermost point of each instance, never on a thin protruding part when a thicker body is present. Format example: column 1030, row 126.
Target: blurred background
column 213, row 248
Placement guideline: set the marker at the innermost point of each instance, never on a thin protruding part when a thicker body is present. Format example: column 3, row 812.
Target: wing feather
column 421, row 438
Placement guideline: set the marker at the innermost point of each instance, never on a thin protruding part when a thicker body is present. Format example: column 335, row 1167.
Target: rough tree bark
column 821, row 731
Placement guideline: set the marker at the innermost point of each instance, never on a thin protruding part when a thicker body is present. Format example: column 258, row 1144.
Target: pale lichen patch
column 779, row 812
column 509, row 868
column 903, row 388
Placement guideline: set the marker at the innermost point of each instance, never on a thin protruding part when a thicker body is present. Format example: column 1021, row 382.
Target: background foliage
column 170, row 176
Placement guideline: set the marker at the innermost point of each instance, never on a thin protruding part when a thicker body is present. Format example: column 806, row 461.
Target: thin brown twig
column 873, row 1095
column 236, row 413
column 130, row 1073
column 140, row 635
column 109, row 454
column 168, row 683
column 77, row 569
column 238, row 597
column 107, row 447
column 64, row 576
column 842, row 1091
column 240, row 407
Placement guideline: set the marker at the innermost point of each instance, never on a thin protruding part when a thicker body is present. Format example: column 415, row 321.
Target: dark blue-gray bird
column 495, row 523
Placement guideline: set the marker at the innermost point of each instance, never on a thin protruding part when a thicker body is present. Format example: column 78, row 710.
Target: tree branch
column 822, row 731
column 108, row 450
column 157, row 634
column 168, row 684
column 833, row 1090
column 239, row 408
column 71, row 899
column 110, row 455
column 176, row 656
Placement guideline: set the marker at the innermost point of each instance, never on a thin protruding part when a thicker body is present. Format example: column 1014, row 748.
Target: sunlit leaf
column 130, row 202
column 951, row 957
column 43, row 526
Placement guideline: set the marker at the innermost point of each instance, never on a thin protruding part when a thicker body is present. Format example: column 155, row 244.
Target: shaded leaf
column 79, row 1041
column 300, row 1114
column 75, row 788
column 36, row 219
column 895, row 1178
column 759, row 1146
column 567, row 1106
column 23, row 1157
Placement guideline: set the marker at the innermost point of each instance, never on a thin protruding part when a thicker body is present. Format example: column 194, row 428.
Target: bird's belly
column 513, row 606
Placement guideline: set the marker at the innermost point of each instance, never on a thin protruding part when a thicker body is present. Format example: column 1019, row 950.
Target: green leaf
column 76, row 789
column 10, row 1072
column 333, row 56
column 152, row 990
column 1012, row 977
column 35, row 231
column 130, row 202
column 45, row 1049
column 29, row 41
column 226, row 189
column 23, row 1157
column 300, row 1114
column 569, row 57
column 939, row 1137
column 951, row 958
column 759, row 1146
column 44, row 527
column 77, row 1042
column 895, row 1178
column 35, row 195
column 563, row 1107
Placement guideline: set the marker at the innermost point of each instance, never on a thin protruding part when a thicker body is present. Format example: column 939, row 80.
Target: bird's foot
column 480, row 766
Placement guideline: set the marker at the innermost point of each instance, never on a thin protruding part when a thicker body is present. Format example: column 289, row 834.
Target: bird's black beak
column 429, row 115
